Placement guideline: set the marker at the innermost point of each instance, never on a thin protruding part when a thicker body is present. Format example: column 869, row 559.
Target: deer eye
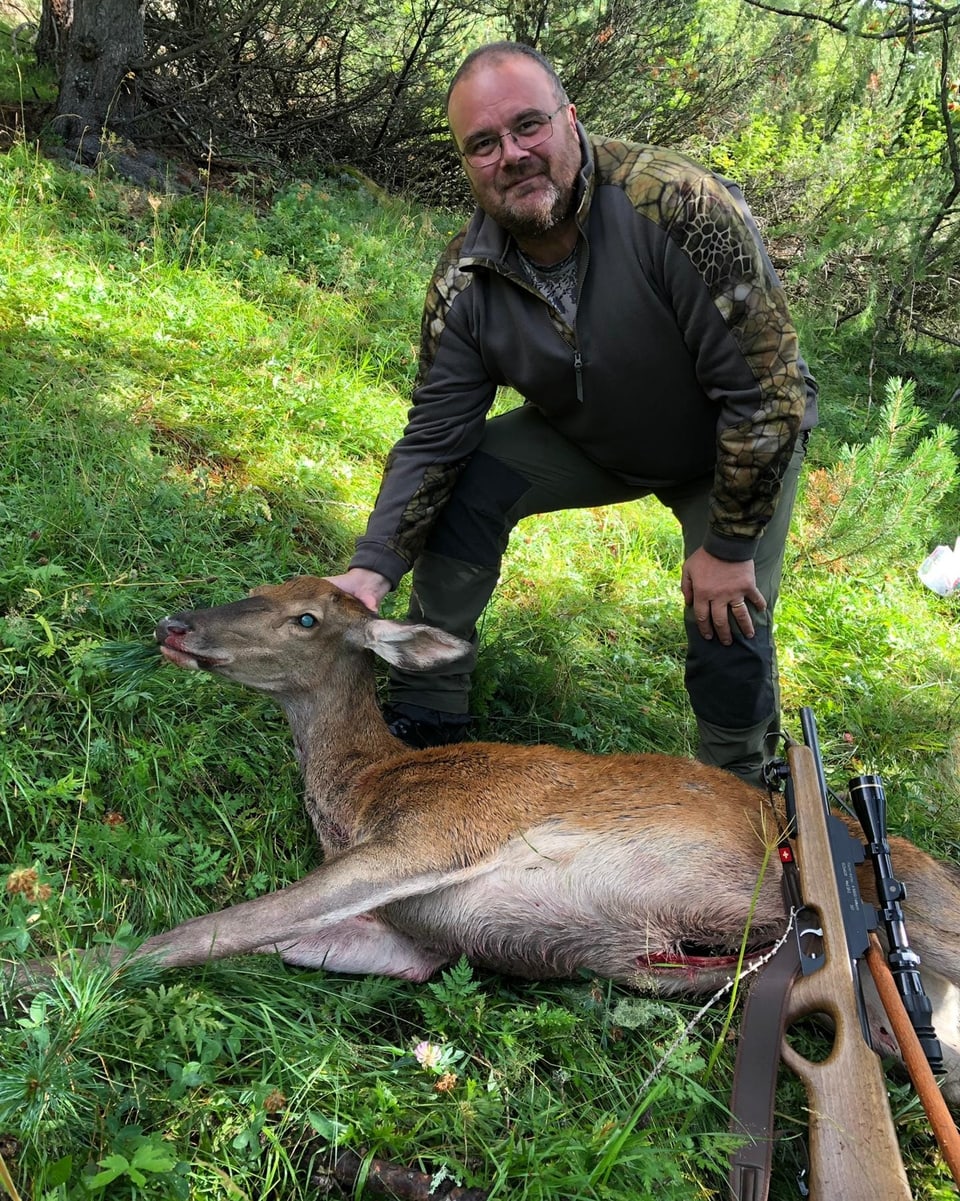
column 306, row 620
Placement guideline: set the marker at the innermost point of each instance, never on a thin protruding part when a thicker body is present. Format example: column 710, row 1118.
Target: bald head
column 494, row 53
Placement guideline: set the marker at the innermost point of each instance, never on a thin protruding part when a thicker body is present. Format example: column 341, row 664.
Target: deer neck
column 338, row 731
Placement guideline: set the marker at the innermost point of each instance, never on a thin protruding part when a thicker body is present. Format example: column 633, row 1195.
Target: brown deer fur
column 534, row 861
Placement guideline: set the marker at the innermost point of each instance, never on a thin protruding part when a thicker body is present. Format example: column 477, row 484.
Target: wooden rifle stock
column 854, row 1154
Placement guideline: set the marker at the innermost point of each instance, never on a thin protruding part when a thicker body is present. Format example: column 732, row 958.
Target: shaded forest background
column 841, row 120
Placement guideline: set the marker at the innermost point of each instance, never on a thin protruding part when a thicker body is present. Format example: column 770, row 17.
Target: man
column 624, row 292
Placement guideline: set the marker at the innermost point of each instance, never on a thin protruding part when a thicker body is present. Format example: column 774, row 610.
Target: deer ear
column 414, row 647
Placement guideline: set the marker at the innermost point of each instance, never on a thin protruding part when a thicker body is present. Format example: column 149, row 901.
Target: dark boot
column 420, row 728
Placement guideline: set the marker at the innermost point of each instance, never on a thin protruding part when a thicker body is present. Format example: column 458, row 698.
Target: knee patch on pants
column 732, row 686
column 474, row 525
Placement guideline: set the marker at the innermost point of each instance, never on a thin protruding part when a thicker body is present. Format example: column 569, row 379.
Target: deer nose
column 170, row 625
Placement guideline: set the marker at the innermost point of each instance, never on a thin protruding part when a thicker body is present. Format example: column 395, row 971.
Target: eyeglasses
column 487, row 148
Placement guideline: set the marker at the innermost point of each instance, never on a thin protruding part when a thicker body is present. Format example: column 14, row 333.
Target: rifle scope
column 870, row 804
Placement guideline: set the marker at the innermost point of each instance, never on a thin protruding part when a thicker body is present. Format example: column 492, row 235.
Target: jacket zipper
column 528, row 287
column 584, row 259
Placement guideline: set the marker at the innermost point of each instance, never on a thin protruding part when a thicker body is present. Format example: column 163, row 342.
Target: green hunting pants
column 522, row 467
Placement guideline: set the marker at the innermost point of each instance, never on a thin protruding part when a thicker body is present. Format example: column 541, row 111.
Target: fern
column 455, row 1000
column 456, row 985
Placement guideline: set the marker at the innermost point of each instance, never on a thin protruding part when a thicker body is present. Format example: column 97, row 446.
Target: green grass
column 196, row 396
column 23, row 84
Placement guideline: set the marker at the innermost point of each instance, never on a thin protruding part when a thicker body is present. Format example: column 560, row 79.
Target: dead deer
column 533, row 861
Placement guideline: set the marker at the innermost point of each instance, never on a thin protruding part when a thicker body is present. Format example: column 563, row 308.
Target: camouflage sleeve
column 758, row 425
column 450, row 402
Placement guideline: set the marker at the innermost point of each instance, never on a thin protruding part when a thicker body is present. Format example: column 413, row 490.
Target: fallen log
column 385, row 1179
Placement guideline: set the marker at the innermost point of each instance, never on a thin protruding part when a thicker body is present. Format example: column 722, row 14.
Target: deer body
column 597, row 874
column 534, row 861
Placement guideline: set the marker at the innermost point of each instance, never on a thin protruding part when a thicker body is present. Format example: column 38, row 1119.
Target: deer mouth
column 175, row 652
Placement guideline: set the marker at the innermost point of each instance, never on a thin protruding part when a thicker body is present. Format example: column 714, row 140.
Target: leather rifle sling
column 762, row 1028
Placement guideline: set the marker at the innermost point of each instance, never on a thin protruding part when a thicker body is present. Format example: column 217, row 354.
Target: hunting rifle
column 853, row 1149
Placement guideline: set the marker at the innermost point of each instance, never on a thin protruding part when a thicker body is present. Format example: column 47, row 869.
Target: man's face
column 528, row 192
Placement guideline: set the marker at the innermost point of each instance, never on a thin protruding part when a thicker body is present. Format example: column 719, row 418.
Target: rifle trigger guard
column 810, row 960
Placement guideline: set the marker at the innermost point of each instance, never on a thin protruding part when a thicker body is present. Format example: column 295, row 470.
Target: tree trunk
column 56, row 17
column 98, row 83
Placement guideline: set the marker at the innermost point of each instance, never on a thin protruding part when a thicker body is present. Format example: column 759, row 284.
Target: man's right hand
column 369, row 587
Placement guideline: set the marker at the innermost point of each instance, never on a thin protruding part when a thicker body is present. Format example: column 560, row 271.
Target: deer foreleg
column 360, row 881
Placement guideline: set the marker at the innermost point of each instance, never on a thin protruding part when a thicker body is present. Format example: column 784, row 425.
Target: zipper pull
column 578, row 369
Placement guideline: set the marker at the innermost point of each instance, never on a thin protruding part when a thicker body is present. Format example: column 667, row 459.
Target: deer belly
column 554, row 905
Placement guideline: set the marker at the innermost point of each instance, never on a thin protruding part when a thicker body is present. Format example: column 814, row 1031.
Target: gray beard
column 554, row 208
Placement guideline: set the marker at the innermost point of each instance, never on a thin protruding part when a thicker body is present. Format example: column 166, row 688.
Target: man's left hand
column 718, row 590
